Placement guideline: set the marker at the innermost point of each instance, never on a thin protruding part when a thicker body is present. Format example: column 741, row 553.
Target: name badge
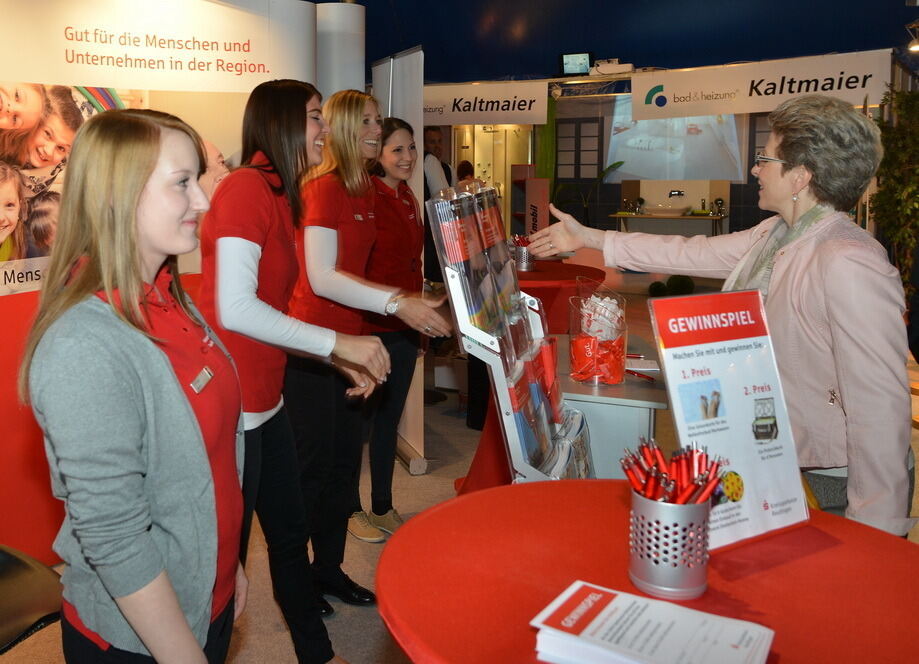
column 202, row 379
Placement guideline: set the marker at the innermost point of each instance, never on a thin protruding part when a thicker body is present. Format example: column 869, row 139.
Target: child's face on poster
column 50, row 144
column 9, row 209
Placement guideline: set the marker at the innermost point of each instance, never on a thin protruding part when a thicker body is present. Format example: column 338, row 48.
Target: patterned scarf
column 758, row 270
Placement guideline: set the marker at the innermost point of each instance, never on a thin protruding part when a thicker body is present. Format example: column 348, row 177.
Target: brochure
column 589, row 624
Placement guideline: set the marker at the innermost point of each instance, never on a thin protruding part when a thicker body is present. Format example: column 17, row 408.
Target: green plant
column 584, row 194
column 896, row 204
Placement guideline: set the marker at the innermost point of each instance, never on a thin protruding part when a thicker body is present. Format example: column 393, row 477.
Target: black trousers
column 271, row 486
column 327, row 429
column 384, row 410
column 78, row 649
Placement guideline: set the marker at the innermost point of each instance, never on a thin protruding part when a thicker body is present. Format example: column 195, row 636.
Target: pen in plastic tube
column 685, row 494
column 701, row 483
column 716, row 466
column 675, row 467
column 638, row 461
column 630, row 473
column 703, row 460
column 685, row 475
column 651, row 485
column 640, row 473
column 709, row 488
column 646, row 454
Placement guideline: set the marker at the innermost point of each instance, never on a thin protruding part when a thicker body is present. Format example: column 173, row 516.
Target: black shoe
column 325, row 609
column 346, row 590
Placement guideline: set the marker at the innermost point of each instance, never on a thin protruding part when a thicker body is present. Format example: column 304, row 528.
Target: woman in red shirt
column 395, row 261
column 249, row 267
column 332, row 290
column 139, row 404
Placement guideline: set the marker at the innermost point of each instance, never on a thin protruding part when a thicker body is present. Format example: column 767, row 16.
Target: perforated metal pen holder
column 524, row 259
column 668, row 547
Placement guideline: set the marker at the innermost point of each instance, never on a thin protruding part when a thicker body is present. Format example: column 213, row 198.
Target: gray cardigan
column 127, row 457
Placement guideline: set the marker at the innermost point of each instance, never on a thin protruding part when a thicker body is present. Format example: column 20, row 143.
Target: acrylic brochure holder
column 506, row 329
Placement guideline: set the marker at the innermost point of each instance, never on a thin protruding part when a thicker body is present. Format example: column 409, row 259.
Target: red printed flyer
column 726, row 397
column 589, row 624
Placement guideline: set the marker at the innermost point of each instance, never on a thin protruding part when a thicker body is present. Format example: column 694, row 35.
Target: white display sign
column 757, row 87
column 517, row 102
column 398, row 84
column 164, row 45
column 726, row 395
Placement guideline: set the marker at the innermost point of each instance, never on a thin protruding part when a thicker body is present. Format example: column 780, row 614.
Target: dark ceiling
column 500, row 39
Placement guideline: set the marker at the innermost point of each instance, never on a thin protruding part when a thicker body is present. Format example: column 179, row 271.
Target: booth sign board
column 516, row 102
column 165, row 45
column 727, row 398
column 758, row 87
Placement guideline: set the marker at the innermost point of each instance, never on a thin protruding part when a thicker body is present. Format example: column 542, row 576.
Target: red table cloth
column 461, row 581
column 553, row 282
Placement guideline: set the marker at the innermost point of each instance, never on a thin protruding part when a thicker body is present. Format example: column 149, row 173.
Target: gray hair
column 837, row 144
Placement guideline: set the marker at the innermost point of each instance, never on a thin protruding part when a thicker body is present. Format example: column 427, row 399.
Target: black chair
column 30, row 597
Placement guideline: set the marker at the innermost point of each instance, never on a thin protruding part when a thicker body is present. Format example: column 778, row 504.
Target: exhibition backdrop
column 194, row 58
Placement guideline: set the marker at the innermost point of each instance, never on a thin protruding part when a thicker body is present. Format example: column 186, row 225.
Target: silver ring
column 427, row 328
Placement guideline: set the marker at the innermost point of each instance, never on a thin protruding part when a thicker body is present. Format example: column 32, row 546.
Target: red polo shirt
column 245, row 206
column 396, row 256
column 328, row 205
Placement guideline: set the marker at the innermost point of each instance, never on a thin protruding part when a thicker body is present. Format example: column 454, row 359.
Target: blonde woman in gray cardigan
column 139, row 403
column 833, row 301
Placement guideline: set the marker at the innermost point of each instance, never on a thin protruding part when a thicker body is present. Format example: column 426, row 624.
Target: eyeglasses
column 760, row 157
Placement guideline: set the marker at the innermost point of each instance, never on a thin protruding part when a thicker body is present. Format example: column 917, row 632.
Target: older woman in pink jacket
column 833, row 301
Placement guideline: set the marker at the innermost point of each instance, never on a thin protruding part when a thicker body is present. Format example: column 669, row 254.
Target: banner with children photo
column 38, row 123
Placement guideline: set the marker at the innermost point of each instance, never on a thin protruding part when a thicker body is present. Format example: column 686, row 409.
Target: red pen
column 646, row 454
column 635, row 356
column 707, row 491
column 630, row 473
column 685, row 494
column 646, row 377
column 651, row 485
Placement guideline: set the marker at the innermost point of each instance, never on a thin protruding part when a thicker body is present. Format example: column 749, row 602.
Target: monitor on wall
column 574, row 64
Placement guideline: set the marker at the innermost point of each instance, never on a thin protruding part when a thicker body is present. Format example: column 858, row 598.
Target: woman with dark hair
column 395, row 260
column 139, row 404
column 249, row 267
column 338, row 235
column 833, row 301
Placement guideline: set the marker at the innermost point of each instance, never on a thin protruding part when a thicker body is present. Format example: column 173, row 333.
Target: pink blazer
column 835, row 313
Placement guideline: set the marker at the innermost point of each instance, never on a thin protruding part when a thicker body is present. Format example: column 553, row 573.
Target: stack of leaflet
column 588, row 624
column 469, row 234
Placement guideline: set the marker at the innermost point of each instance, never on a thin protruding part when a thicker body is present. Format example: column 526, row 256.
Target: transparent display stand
column 506, row 330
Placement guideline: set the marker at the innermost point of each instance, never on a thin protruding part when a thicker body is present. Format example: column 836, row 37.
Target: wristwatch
column 393, row 305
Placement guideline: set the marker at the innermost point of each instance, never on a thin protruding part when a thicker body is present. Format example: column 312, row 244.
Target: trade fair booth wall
column 195, row 59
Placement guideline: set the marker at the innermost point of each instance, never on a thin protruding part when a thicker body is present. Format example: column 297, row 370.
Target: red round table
column 461, row 581
column 553, row 282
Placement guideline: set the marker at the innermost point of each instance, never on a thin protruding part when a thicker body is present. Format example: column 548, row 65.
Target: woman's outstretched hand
column 566, row 235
